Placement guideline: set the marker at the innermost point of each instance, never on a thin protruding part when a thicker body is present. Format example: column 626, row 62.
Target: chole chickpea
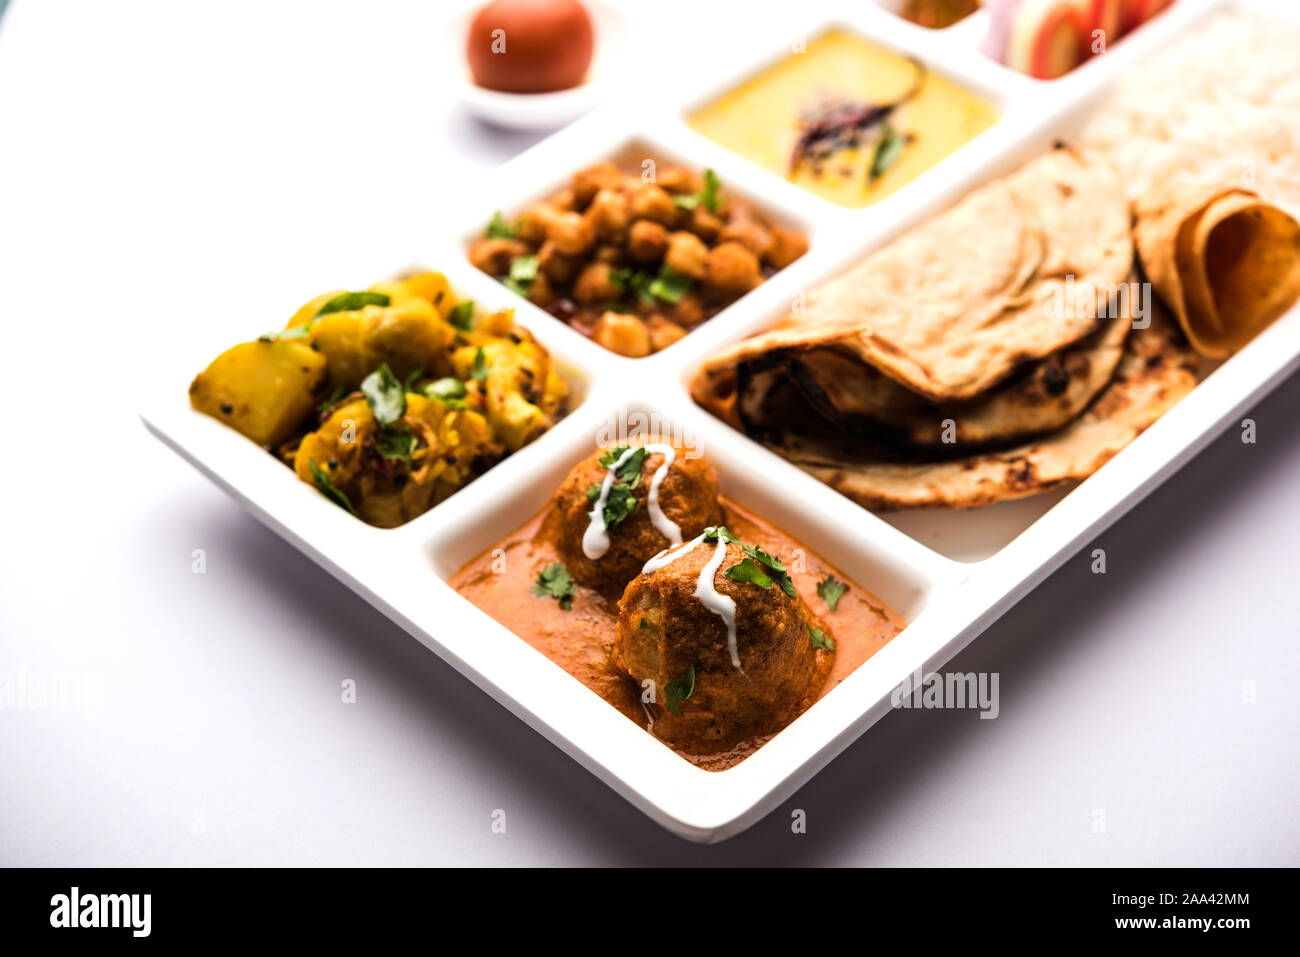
column 635, row 261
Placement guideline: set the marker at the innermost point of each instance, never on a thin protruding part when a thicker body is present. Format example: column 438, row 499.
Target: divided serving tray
column 949, row 574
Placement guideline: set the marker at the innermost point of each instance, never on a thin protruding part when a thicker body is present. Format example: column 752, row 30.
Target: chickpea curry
column 701, row 622
column 635, row 263
column 390, row 399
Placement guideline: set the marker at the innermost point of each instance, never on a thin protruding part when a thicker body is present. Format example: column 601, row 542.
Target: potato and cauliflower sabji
column 387, row 400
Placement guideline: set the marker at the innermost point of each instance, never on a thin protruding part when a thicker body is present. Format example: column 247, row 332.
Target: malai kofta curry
column 704, row 624
column 390, row 399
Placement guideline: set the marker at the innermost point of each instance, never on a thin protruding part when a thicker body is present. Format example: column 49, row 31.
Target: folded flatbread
column 1225, row 261
column 1012, row 273
column 988, row 354
column 1157, row 369
column 1043, row 396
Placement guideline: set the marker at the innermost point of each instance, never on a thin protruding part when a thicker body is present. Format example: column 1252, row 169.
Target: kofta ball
column 688, row 497
column 530, row 46
column 670, row 632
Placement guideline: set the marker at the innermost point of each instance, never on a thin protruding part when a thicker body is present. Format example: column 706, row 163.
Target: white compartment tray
column 950, row 574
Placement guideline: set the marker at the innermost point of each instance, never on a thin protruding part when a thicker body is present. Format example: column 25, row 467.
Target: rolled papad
column 1225, row 261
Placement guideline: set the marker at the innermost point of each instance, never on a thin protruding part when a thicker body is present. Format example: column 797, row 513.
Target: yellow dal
column 759, row 119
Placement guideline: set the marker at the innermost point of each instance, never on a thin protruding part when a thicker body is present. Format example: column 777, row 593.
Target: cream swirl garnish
column 718, row 603
column 595, row 540
column 709, row 596
column 670, row 555
column 666, row 526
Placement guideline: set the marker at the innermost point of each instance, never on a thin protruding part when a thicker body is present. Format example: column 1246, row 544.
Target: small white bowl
column 539, row 111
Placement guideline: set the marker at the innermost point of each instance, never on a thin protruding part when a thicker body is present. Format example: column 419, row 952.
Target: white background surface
column 167, row 171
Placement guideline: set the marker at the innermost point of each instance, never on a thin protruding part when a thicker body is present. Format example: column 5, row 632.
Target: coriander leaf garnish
column 832, row 590
column 610, row 456
column 348, row 301
column 480, row 370
column 748, row 571
column 297, row 332
column 820, row 639
column 386, row 395
column 408, row 384
column 498, row 228
column 329, row 489
column 669, row 286
column 708, row 197
column 523, row 270
column 635, row 281
column 773, row 568
column 679, row 690
column 771, row 561
column 333, row 399
column 888, row 149
column 396, row 442
column 714, row 532
column 387, row 398
column 629, row 472
column 711, row 197
column 619, row 504
column 462, row 315
column 554, row 581
column 448, row 390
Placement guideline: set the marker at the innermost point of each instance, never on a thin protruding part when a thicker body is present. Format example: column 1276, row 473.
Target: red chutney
column 582, row 639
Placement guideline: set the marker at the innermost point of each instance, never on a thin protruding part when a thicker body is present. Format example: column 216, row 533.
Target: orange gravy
column 581, row 640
